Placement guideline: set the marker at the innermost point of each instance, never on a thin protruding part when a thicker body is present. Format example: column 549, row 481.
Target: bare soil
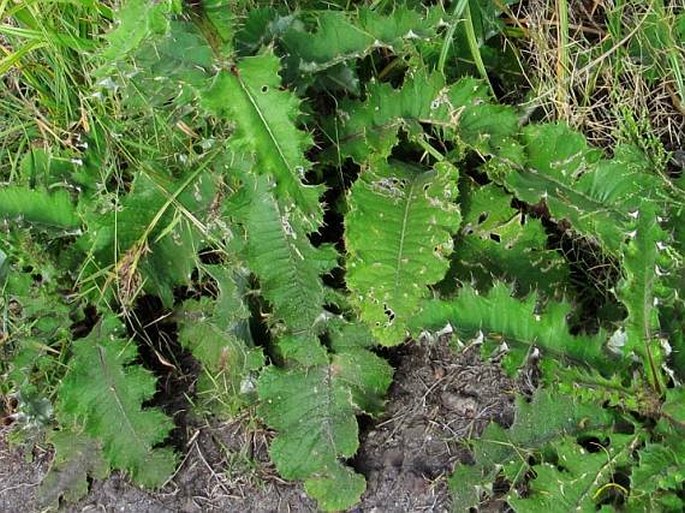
column 440, row 398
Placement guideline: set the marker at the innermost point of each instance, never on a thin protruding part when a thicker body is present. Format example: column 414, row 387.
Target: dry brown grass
column 583, row 75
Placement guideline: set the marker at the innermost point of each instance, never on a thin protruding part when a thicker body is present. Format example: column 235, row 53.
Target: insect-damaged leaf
column 398, row 234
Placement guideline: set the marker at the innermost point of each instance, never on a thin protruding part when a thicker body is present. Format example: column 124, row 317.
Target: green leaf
column 39, row 206
column 398, row 234
column 174, row 66
column 138, row 20
column 499, row 242
column 265, row 116
column 461, row 111
column 216, row 332
column 341, row 36
column 521, row 323
column 594, row 195
column 77, row 458
column 151, row 240
column 674, row 406
column 102, row 395
column 280, row 254
column 645, row 259
column 313, row 412
column 313, row 408
column 658, row 475
column 538, row 424
column 338, row 490
column 576, row 480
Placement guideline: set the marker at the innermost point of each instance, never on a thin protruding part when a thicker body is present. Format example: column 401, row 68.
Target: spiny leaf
column 102, row 395
column 462, row 111
column 150, row 242
column 265, row 116
column 576, row 479
column 523, row 323
column 313, row 409
column 138, row 19
column 645, row 259
column 538, row 424
column 498, row 241
column 52, row 209
column 343, row 35
column 280, row 254
column 398, row 234
column 217, row 334
column 174, row 66
column 658, row 477
column 592, row 194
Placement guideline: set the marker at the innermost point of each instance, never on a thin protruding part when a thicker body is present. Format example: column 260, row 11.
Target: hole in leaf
column 593, row 444
column 482, row 218
column 265, row 89
column 495, row 237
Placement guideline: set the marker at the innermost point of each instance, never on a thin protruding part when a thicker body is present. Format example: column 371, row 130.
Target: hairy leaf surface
column 217, row 334
column 51, row 209
column 463, row 111
column 574, row 481
column 398, row 234
column 265, row 117
column 102, row 394
column 313, row 409
column 342, row 35
column 645, row 260
column 498, row 241
column 77, row 458
column 594, row 195
column 287, row 265
column 510, row 450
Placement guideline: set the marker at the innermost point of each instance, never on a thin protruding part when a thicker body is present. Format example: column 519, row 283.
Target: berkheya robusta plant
column 247, row 154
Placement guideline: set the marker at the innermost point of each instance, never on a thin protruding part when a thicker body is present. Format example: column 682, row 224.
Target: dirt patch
column 439, row 398
column 20, row 474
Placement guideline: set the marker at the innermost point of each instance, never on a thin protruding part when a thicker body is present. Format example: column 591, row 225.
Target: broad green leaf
column 645, row 259
column 217, row 334
column 658, row 475
column 462, row 111
column 174, row 66
column 343, row 35
column 287, row 265
column 314, row 414
column 398, row 235
column 102, row 395
column 575, row 481
column 51, row 209
column 265, row 117
column 151, row 241
column 674, row 406
column 313, row 408
column 538, row 425
column 337, row 490
column 138, row 20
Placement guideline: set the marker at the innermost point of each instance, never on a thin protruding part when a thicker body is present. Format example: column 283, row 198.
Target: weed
column 295, row 188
